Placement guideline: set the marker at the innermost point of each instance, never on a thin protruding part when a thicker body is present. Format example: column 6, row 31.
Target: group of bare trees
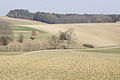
column 59, row 41
column 6, row 34
column 62, row 40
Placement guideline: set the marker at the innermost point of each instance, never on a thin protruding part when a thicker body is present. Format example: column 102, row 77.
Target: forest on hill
column 53, row 18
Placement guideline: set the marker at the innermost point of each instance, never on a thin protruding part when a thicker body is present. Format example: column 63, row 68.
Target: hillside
column 97, row 34
column 31, row 61
column 16, row 21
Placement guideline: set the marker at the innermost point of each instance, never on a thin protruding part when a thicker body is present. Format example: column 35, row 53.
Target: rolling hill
column 97, row 34
column 63, row 64
column 16, row 21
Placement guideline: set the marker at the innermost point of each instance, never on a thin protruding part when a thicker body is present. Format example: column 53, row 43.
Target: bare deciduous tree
column 66, row 36
column 61, row 40
column 54, row 41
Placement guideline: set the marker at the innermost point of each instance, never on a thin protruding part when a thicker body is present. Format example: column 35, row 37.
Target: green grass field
column 40, row 34
column 24, row 28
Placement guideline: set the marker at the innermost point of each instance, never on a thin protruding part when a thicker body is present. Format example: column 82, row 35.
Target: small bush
column 21, row 38
column 4, row 40
column 88, row 45
column 33, row 35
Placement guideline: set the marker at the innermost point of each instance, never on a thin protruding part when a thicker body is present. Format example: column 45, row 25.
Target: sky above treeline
column 62, row 6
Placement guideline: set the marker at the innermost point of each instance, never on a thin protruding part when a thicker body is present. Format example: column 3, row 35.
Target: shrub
column 21, row 38
column 4, row 40
column 98, row 20
column 88, row 45
column 33, row 35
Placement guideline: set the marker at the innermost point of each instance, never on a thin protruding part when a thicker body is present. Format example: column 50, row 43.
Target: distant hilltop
column 53, row 18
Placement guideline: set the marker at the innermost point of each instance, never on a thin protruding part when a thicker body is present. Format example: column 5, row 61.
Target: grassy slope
column 27, row 32
column 24, row 28
column 16, row 27
column 67, row 65
column 16, row 21
column 61, row 65
column 98, row 34
column 10, row 53
column 113, row 51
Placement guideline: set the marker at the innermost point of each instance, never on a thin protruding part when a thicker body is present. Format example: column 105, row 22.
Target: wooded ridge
column 53, row 18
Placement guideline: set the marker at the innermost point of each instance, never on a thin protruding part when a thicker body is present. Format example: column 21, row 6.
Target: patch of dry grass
column 61, row 65
column 16, row 21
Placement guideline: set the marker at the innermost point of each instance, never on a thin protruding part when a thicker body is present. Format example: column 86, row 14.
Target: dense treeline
column 53, row 18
